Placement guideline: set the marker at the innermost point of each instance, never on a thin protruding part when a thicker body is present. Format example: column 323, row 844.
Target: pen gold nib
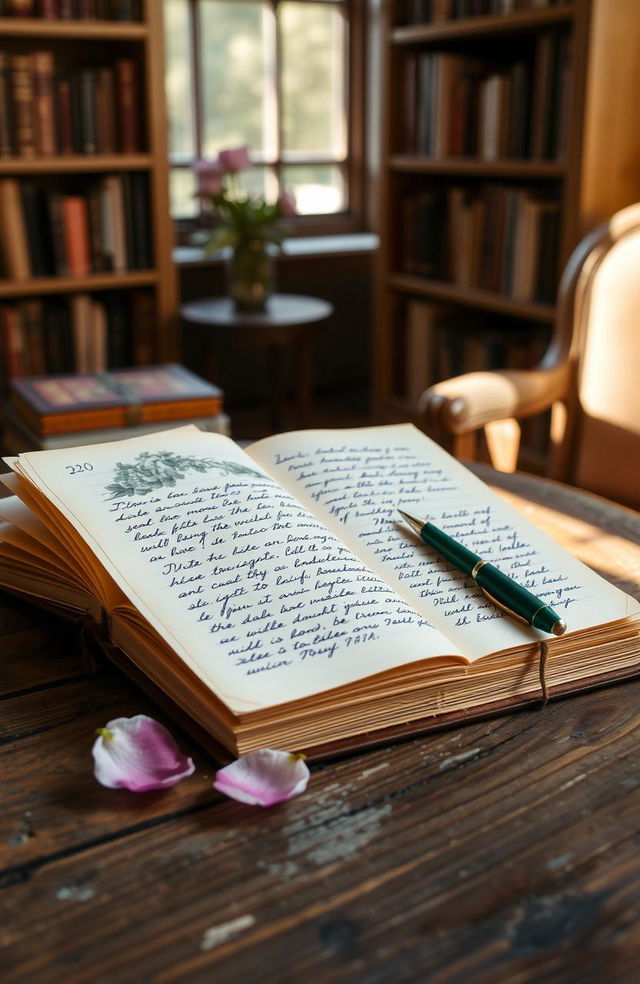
column 559, row 628
column 415, row 524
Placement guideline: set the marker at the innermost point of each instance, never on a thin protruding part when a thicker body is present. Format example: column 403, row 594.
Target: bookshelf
column 104, row 155
column 508, row 131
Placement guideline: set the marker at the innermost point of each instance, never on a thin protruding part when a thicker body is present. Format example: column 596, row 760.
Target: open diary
column 277, row 597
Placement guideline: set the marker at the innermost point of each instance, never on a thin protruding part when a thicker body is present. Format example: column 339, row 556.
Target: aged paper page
column 354, row 480
column 252, row 592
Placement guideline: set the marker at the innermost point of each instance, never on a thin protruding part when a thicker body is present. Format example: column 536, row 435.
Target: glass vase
column 250, row 276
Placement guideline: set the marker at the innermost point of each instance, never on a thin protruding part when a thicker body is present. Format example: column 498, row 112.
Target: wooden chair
column 589, row 376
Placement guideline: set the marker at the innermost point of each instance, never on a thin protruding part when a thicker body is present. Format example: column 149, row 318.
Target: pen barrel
column 462, row 558
column 516, row 599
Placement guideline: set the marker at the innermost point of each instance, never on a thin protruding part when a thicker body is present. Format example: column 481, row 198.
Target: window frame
column 354, row 218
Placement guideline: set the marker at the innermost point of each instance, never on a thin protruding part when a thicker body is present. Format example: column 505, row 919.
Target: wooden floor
column 502, row 851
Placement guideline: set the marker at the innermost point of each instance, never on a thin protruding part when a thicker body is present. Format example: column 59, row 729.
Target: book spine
column 87, row 112
column 37, row 238
column 31, row 317
column 81, row 329
column 125, row 10
column 86, row 9
column 74, row 210
column 11, row 341
column 98, row 337
column 105, row 111
column 22, row 8
column 66, row 9
column 49, row 9
column 64, row 116
column 56, row 337
column 42, row 63
column 99, row 261
column 127, row 102
column 7, row 121
column 56, row 225
column 13, row 234
column 23, row 102
column 120, row 258
column 128, row 222
column 142, row 321
column 118, row 333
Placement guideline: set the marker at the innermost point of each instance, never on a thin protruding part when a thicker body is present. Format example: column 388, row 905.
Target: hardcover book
column 277, row 599
column 86, row 401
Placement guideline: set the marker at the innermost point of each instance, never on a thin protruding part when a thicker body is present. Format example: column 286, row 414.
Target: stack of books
column 64, row 411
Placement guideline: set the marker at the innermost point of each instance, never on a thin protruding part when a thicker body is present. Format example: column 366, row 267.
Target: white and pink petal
column 138, row 754
column 263, row 777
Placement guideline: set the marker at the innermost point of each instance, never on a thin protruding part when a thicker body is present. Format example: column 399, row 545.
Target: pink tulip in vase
column 245, row 223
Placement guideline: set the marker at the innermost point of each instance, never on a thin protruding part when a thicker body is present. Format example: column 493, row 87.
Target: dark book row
column 492, row 237
column 45, row 112
column 436, row 341
column 434, row 11
column 117, row 10
column 79, row 333
column 457, row 105
column 104, row 229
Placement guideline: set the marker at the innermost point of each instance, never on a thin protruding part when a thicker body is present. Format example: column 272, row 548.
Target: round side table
column 288, row 323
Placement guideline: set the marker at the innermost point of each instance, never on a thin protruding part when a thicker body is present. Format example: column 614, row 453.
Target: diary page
column 354, row 481
column 262, row 601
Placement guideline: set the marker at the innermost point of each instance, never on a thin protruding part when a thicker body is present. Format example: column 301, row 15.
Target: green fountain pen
column 496, row 586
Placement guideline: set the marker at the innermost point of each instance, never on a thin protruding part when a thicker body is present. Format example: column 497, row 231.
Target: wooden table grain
column 502, row 851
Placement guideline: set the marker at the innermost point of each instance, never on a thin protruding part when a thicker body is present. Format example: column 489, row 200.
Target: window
column 284, row 77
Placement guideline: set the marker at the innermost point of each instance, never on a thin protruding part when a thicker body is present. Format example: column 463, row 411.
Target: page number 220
column 76, row 469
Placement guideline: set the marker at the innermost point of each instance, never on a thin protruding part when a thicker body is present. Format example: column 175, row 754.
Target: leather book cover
column 59, row 404
column 23, row 103
column 42, row 64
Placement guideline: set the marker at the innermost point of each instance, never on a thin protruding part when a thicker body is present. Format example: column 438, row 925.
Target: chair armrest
column 468, row 402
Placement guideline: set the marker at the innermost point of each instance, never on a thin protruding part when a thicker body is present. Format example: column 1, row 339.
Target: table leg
column 304, row 380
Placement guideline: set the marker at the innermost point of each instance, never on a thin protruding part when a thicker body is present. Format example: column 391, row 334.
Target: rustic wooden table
column 500, row 851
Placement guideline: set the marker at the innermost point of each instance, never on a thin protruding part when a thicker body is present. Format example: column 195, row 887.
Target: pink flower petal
column 208, row 178
column 138, row 754
column 263, row 777
column 234, row 159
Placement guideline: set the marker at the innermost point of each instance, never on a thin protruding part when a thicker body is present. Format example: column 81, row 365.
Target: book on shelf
column 274, row 596
column 463, row 105
column 47, row 111
column 78, row 333
column 495, row 237
column 423, row 321
column 437, row 11
column 116, row 10
column 133, row 395
column 48, row 233
column 436, row 341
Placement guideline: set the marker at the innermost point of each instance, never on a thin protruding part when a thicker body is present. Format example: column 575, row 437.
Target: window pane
column 253, row 182
column 237, row 75
column 178, row 78
column 181, row 190
column 319, row 188
column 313, row 41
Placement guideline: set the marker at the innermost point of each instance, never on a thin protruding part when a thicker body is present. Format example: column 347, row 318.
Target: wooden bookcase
column 592, row 170
column 81, row 44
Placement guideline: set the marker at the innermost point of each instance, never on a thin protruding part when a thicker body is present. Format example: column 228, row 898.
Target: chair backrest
column 600, row 294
